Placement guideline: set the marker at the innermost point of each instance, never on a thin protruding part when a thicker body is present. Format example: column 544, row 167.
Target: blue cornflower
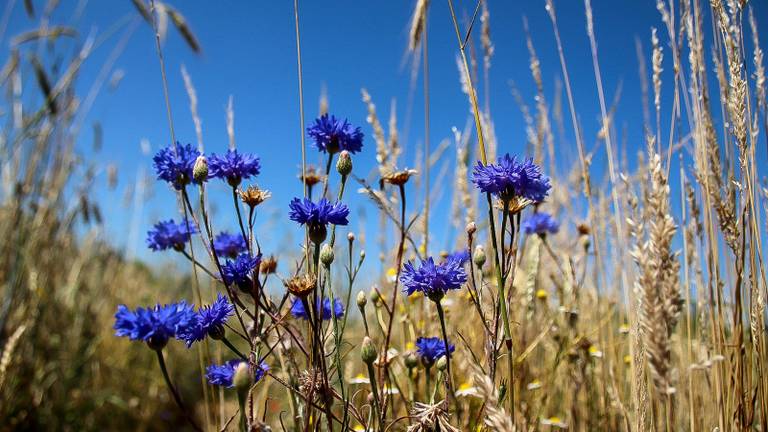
column 229, row 245
column 234, row 167
column 238, row 272
column 209, row 321
column 333, row 135
column 154, row 325
column 462, row 256
column 317, row 215
column 224, row 374
column 174, row 164
column 511, row 178
column 434, row 280
column 298, row 311
column 168, row 234
column 431, row 349
column 540, row 223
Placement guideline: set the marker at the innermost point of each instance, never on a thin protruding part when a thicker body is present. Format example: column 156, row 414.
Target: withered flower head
column 310, row 382
column 583, row 229
column 301, row 286
column 312, row 176
column 253, row 196
column 515, row 205
column 268, row 265
column 431, row 417
column 398, row 178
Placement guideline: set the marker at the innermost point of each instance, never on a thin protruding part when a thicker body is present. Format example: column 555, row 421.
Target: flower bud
column 200, row 169
column 479, row 256
column 344, row 163
column 376, row 297
column 411, row 359
column 242, row 377
column 362, row 254
column 326, row 255
column 442, row 363
column 362, row 300
column 351, row 236
column 368, row 351
column 471, row 228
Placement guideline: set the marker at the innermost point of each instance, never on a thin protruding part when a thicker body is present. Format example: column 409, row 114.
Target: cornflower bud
column 411, row 359
column 368, row 351
column 242, row 378
column 442, row 363
column 479, row 256
column 362, row 300
column 344, row 163
column 326, row 255
column 471, row 228
column 200, row 169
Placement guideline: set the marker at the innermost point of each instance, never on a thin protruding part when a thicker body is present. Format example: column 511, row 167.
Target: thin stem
column 240, row 217
column 472, row 94
column 375, row 392
column 449, row 381
column 426, row 133
column 174, row 392
column 233, row 348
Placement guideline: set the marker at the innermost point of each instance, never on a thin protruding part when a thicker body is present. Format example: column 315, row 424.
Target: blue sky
column 249, row 53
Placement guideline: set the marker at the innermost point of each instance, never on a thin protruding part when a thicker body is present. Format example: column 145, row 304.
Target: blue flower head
column 229, row 245
column 462, row 256
column 224, row 374
column 431, row 349
column 234, row 167
column 541, row 223
column 168, row 234
column 154, row 325
column 209, row 321
column 333, row 135
column 433, row 280
column 318, row 215
column 511, row 178
column 174, row 164
column 238, row 272
column 298, row 311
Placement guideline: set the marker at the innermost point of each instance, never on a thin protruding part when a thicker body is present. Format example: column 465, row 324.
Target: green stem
column 241, row 397
column 428, row 380
column 240, row 217
column 375, row 392
column 174, row 392
column 233, row 348
column 449, row 388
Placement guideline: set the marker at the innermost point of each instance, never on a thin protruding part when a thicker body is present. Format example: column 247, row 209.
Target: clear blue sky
column 249, row 53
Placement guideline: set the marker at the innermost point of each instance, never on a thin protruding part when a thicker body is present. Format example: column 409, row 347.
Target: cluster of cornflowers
column 240, row 266
column 510, row 185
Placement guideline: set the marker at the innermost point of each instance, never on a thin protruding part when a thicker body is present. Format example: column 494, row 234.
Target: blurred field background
column 83, row 109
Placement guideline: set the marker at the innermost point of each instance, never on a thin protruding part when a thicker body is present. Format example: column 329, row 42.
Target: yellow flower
column 595, row 352
column 360, row 379
column 466, row 390
column 627, row 359
column 533, row 385
column 624, row 328
column 541, row 294
column 554, row 421
column 391, row 274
